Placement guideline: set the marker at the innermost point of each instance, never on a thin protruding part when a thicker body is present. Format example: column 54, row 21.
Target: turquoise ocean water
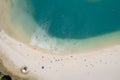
column 77, row 24
column 78, row 19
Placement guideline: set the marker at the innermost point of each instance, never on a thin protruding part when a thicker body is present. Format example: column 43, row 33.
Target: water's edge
column 39, row 37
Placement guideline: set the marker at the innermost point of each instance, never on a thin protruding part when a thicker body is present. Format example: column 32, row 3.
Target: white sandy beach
column 103, row 64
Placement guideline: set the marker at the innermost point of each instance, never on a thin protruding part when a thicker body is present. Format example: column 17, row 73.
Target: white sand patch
column 103, row 64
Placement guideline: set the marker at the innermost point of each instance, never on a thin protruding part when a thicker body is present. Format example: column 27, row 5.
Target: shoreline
column 7, row 23
column 9, row 66
column 41, row 64
column 15, row 30
column 100, row 64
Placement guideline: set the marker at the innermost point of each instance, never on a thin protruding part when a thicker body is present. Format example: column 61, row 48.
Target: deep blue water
column 77, row 19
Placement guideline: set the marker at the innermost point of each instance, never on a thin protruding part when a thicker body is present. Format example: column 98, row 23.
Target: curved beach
column 101, row 63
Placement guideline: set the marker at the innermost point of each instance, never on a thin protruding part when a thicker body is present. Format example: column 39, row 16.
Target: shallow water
column 78, row 19
column 74, row 25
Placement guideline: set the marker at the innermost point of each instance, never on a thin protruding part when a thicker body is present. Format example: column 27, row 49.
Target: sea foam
column 40, row 37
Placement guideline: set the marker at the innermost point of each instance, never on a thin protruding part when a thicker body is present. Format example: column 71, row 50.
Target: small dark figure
column 6, row 77
column 43, row 67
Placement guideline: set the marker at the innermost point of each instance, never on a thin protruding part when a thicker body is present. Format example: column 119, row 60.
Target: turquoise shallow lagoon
column 78, row 19
column 72, row 25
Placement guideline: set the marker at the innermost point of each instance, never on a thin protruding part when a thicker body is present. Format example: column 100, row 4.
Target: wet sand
column 7, row 24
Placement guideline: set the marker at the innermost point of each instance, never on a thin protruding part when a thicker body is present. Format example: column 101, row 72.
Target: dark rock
column 6, row 77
